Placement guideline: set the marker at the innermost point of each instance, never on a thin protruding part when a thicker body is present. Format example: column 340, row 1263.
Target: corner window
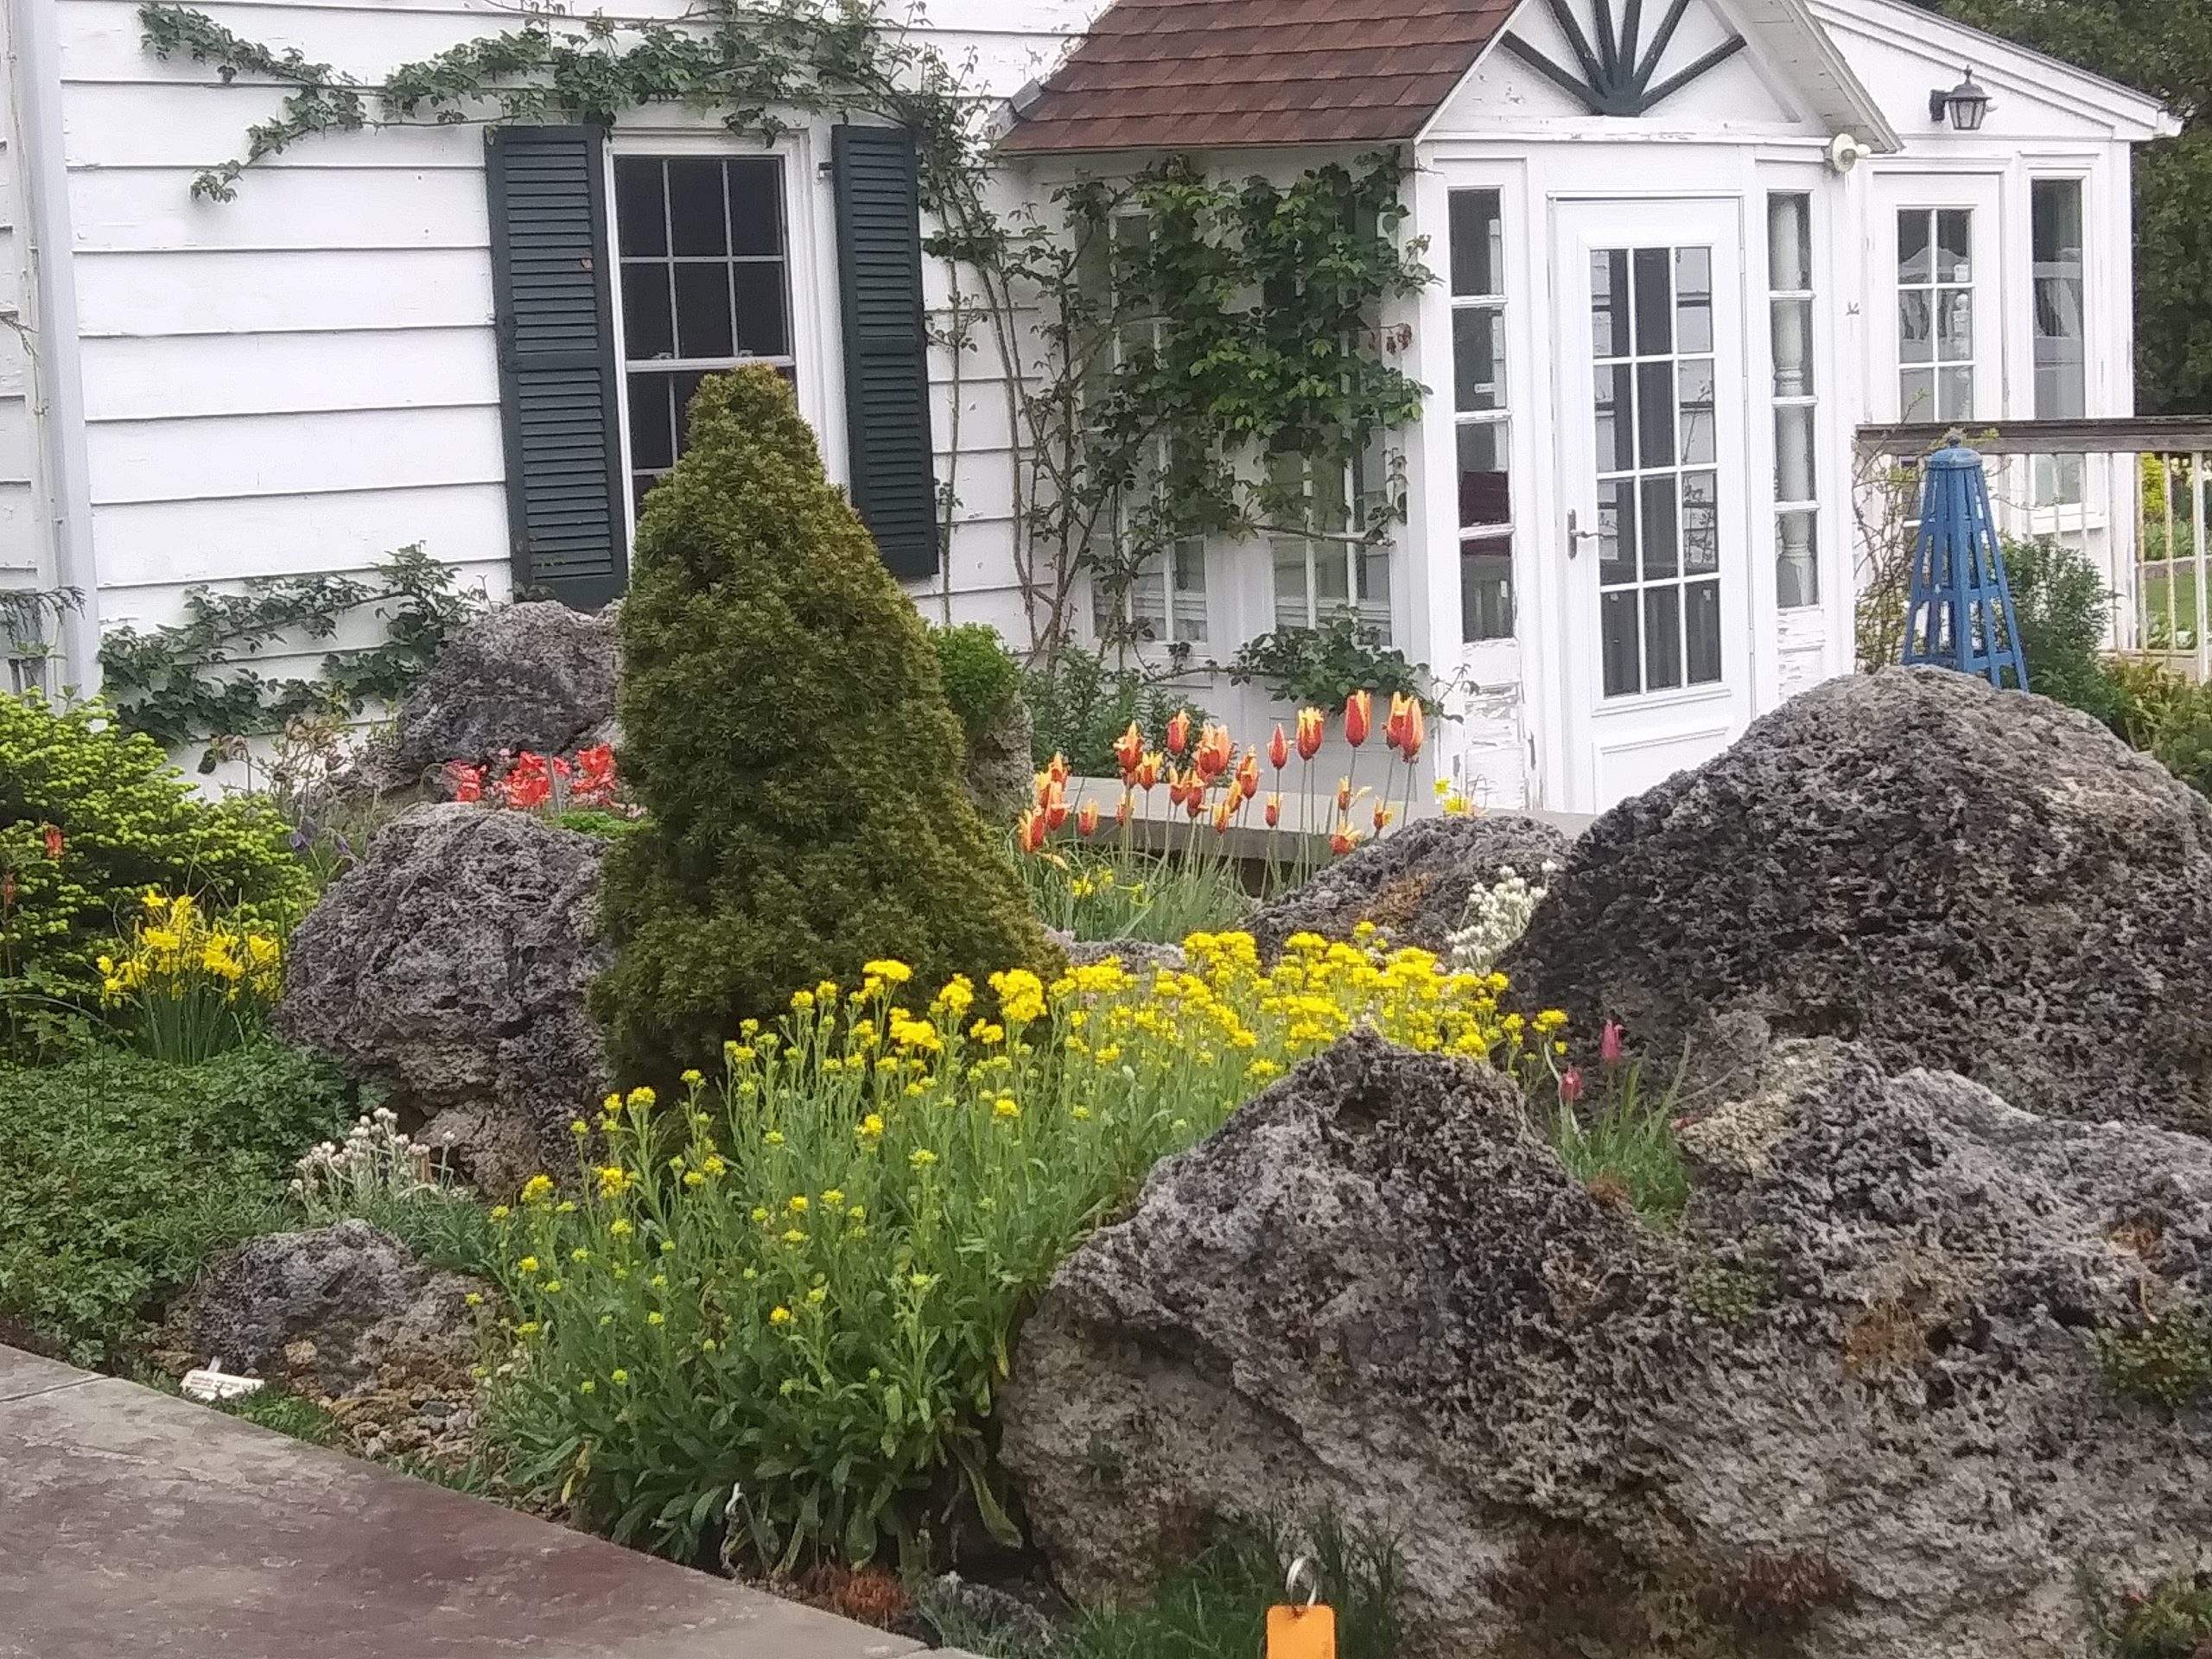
column 1789, row 306
column 2062, row 357
column 704, row 256
column 1936, row 314
column 1165, row 597
column 1481, row 416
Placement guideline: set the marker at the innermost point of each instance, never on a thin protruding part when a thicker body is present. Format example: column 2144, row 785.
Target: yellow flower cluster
column 175, row 951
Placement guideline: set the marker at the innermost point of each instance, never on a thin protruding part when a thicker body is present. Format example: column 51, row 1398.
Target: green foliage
column 290, row 1415
column 119, row 1175
column 124, row 823
column 982, row 679
column 187, row 683
column 1216, row 1605
column 1324, row 667
column 2170, row 1620
column 1729, row 1294
column 2165, row 1359
column 1078, row 706
column 1107, row 893
column 606, row 826
column 1622, row 1144
column 788, row 738
column 27, row 614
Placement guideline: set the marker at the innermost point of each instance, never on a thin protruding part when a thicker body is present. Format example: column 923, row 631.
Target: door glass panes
column 1789, row 304
column 1480, row 411
column 705, row 285
column 2061, row 362
column 1936, row 314
column 1658, row 486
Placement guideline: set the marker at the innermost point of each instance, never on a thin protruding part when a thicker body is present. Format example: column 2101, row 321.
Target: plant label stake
column 1303, row 1630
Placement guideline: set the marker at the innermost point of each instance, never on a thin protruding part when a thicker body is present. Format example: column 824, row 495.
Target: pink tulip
column 1570, row 1086
column 1609, row 1043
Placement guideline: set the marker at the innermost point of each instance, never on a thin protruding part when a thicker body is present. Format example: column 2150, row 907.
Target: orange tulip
column 1309, row 733
column 1194, row 794
column 1056, row 809
column 1416, row 731
column 1222, row 815
column 1215, row 751
column 1128, row 750
column 1344, row 841
column 1086, row 821
column 1343, row 794
column 1359, row 715
column 1059, row 770
column 1382, row 816
column 1248, row 774
column 1121, row 813
column 1274, row 810
column 1393, row 729
column 1043, row 787
column 1278, row 749
column 1179, row 731
column 1031, row 832
column 1148, row 773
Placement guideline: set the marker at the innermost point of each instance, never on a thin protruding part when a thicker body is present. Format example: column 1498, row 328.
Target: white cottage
column 1685, row 248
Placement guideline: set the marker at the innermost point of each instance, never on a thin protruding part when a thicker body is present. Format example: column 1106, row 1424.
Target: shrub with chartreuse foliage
column 982, row 680
column 119, row 1175
column 802, row 1279
column 788, row 737
column 91, row 818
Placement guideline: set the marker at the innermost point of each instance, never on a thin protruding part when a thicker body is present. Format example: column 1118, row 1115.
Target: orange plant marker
column 1302, row 1632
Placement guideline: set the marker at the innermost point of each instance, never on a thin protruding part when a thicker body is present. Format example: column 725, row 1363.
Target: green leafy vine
column 1202, row 376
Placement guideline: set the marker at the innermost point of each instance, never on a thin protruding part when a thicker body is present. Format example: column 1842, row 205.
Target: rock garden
column 685, row 1079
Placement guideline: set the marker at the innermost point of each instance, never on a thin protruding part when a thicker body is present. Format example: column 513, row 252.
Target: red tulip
column 1056, row 808
column 1343, row 794
column 1215, row 751
column 1086, row 821
column 1148, row 773
column 1222, row 815
column 1382, row 816
column 1570, row 1086
column 1309, row 733
column 1416, row 731
column 468, row 783
column 1194, row 795
column 1359, row 716
column 1248, row 774
column 1059, row 770
column 1179, row 731
column 53, row 834
column 1121, row 813
column 1278, row 749
column 1031, row 835
column 1128, row 751
column 1274, row 810
column 1344, row 841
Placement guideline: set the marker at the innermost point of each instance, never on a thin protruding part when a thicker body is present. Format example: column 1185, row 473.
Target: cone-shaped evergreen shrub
column 785, row 728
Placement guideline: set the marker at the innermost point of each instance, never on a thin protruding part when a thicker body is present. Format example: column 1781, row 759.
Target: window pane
column 1693, row 299
column 1187, row 582
column 1793, row 348
column 640, row 214
column 1654, row 414
column 1616, row 449
column 1954, row 394
column 652, row 424
column 703, row 315
column 1290, row 610
column 1372, row 568
column 1621, row 644
column 1608, row 329
column 1486, row 589
column 1798, row 565
column 761, row 328
column 1660, row 551
column 1916, row 395
column 696, row 219
column 1788, row 241
column 648, row 326
column 2060, row 361
column 1913, row 265
column 756, row 221
column 1477, row 359
column 1478, row 243
column 1616, row 532
column 1332, row 578
column 1662, row 638
column 1701, row 523
column 1695, row 380
column 1485, row 492
column 1793, row 452
column 1704, row 627
column 1955, row 326
column 681, row 388
column 1655, row 311
column 1954, row 246
column 1915, row 332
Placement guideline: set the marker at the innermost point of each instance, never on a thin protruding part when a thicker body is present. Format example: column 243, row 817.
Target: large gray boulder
column 1961, row 878
column 1853, row 1408
column 325, row 1309
column 452, row 966
column 1412, row 883
column 537, row 676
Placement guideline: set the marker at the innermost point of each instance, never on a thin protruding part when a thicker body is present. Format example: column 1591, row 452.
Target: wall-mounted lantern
column 1963, row 106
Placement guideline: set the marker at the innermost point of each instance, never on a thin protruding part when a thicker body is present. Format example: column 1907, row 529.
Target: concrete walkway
column 132, row 1524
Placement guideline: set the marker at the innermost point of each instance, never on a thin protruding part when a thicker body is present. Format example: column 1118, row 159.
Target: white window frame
column 1980, row 233
column 1483, row 536
column 2046, row 498
column 1361, row 560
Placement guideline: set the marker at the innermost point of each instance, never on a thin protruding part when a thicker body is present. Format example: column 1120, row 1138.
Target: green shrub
column 2172, row 1619
column 120, row 1174
column 121, row 820
column 2166, row 1359
column 1078, row 706
column 788, row 736
column 1322, row 667
column 2063, row 608
column 982, row 680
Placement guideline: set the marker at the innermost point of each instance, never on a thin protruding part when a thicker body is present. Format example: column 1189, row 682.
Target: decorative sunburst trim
column 1616, row 80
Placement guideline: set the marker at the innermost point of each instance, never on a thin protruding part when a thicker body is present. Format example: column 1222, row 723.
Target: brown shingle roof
column 1204, row 74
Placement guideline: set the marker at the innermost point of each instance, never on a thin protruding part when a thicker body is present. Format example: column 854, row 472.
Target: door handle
column 1576, row 535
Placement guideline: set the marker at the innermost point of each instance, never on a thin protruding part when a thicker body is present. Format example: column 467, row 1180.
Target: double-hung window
column 1331, row 569
column 2062, row 359
column 1935, row 323
column 1789, row 305
column 1482, row 424
column 705, row 284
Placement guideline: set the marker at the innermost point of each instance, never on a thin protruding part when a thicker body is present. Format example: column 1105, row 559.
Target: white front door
column 1651, row 454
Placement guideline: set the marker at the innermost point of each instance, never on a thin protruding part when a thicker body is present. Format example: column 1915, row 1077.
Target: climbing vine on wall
column 1181, row 356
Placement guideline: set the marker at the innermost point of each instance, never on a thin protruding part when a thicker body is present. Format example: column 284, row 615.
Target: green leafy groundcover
column 119, row 1175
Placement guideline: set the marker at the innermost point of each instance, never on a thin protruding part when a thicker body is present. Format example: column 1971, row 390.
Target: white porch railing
column 2133, row 495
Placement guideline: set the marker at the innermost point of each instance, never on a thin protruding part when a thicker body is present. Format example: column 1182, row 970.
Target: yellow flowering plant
column 187, row 985
column 799, row 1282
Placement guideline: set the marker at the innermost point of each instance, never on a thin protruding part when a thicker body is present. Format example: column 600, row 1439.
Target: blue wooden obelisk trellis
column 1960, row 612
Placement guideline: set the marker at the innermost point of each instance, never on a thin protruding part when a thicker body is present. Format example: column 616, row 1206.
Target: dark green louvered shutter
column 887, row 352
column 558, row 379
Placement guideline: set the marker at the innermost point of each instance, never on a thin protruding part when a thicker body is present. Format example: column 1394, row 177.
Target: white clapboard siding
column 20, row 560
column 304, row 377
